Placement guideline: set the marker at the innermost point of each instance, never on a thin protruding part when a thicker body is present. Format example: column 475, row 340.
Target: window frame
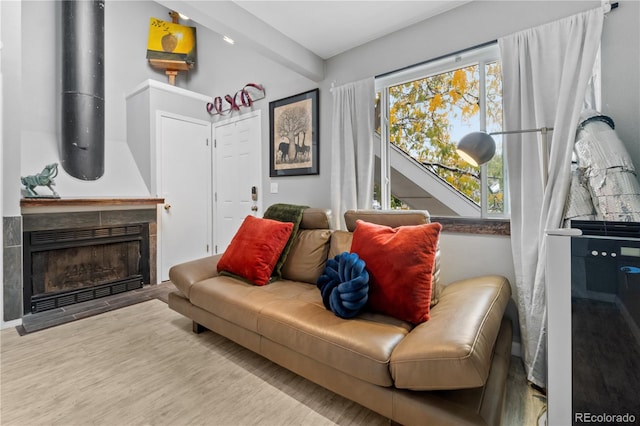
column 481, row 55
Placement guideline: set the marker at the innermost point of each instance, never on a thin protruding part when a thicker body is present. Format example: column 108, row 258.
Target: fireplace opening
column 67, row 266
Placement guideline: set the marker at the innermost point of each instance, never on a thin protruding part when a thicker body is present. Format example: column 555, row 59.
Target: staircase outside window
column 423, row 111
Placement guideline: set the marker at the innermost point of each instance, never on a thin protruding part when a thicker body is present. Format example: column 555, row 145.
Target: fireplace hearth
column 67, row 266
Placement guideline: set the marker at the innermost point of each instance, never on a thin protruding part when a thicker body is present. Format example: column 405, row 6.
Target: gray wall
column 220, row 69
column 621, row 74
column 482, row 21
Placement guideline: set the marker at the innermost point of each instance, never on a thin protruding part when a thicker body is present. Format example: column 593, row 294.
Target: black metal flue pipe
column 82, row 127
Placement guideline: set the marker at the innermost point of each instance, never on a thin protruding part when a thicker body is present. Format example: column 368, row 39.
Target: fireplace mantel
column 53, row 205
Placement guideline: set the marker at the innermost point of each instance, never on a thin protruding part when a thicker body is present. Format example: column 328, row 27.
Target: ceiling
column 328, row 28
column 301, row 35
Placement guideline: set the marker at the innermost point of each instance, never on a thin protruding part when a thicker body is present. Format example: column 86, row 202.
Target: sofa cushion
column 315, row 218
column 255, row 249
column 340, row 242
column 240, row 302
column 400, row 264
column 360, row 347
column 307, row 255
column 453, row 350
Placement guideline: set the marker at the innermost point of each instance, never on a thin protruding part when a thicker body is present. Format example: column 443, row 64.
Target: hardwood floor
column 524, row 405
column 142, row 365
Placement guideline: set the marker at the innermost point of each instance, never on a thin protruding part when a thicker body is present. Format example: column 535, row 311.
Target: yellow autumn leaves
column 424, row 113
column 436, row 102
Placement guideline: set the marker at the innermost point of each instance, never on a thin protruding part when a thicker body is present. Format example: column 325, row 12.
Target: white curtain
column 352, row 148
column 545, row 75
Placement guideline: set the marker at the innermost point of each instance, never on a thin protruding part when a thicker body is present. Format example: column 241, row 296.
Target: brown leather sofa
column 449, row 370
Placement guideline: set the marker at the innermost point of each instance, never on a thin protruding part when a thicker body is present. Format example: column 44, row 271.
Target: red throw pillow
column 255, row 249
column 400, row 264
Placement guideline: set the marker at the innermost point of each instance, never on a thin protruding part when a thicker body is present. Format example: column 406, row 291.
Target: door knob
column 167, row 206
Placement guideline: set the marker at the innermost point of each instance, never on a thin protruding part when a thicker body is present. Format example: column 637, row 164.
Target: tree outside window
column 427, row 117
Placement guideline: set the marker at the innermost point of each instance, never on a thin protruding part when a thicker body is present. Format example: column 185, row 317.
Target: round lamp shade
column 476, row 148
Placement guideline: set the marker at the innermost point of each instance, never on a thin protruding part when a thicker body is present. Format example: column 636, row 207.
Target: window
column 424, row 111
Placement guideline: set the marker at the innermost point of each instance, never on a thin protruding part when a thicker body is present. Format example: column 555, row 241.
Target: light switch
column 274, row 187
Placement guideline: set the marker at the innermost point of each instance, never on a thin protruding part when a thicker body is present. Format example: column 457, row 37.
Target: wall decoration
column 171, row 46
column 245, row 97
column 294, row 135
column 172, row 41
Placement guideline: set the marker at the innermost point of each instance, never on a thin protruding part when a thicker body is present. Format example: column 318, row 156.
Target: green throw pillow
column 285, row 213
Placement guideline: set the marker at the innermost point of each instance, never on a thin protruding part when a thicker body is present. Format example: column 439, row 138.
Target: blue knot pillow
column 344, row 285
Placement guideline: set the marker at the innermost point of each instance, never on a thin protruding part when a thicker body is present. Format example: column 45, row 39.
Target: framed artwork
column 171, row 42
column 294, row 134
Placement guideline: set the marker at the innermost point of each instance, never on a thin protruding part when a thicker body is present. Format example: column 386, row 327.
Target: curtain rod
column 459, row 52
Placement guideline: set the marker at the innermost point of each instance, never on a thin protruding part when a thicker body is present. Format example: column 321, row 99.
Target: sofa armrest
column 185, row 275
column 454, row 348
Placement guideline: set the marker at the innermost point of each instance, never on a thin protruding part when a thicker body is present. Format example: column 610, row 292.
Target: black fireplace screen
column 67, row 266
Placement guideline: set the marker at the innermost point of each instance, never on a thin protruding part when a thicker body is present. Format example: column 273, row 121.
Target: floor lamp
column 477, row 148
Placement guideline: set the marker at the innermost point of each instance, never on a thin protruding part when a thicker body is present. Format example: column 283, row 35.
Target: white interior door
column 185, row 183
column 237, row 172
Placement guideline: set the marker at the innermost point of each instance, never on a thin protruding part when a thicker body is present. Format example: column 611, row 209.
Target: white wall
column 469, row 255
column 121, row 176
column 12, row 105
column 41, row 76
column 220, row 69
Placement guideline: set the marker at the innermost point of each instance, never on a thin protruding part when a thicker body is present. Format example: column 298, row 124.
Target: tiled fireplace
column 68, row 266
column 77, row 250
